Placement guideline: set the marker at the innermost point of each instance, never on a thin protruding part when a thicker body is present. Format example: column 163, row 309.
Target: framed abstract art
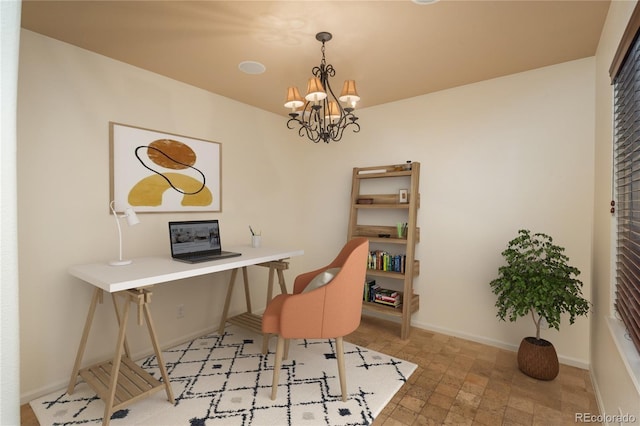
column 155, row 171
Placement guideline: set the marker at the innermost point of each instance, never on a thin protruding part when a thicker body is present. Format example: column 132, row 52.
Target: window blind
column 627, row 185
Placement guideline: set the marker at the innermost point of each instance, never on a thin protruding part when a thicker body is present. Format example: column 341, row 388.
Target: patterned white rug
column 225, row 380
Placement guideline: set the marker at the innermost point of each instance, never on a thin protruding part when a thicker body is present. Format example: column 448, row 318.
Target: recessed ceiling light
column 423, row 2
column 251, row 67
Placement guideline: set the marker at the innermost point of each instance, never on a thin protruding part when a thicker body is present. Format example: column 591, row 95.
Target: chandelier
column 320, row 115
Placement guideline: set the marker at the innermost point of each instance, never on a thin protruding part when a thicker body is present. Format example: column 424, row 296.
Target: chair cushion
column 323, row 278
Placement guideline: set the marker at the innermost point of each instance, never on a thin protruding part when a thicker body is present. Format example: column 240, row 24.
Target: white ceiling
column 393, row 49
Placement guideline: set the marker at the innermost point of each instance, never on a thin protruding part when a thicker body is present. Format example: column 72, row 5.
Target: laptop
column 197, row 241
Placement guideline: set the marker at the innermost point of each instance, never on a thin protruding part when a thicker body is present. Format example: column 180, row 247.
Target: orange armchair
column 328, row 312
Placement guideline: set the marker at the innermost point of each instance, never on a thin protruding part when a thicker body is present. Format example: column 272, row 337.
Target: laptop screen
column 197, row 236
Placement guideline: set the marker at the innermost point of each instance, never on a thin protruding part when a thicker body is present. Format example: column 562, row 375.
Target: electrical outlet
column 180, row 311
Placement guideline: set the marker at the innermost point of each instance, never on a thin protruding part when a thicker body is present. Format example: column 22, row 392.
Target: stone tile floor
column 459, row 382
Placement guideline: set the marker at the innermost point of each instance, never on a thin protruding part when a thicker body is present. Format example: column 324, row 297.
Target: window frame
column 630, row 353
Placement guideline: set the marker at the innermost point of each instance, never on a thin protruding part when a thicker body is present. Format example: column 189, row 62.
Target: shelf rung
column 133, row 383
column 247, row 320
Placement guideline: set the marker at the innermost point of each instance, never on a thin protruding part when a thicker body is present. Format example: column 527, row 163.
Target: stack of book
column 388, row 297
column 376, row 294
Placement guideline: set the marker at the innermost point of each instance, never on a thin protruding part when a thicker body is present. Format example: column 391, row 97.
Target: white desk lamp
column 132, row 219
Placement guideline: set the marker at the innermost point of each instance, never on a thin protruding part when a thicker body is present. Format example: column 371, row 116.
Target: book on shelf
column 392, row 300
column 369, row 290
column 389, row 297
column 393, row 305
column 383, row 261
column 386, row 299
column 385, row 292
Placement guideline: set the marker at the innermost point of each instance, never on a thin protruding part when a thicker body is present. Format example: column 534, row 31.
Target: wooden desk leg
column 115, row 369
column 265, row 336
column 283, row 285
column 97, row 296
column 117, row 311
column 248, row 319
column 247, row 295
column 158, row 352
column 270, row 284
column 227, row 301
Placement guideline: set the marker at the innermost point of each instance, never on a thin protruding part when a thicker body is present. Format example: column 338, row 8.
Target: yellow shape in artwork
column 148, row 191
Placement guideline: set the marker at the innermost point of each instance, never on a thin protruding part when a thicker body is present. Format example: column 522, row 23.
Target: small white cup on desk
column 256, row 241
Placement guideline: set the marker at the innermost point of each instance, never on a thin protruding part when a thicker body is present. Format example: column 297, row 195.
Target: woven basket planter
column 537, row 358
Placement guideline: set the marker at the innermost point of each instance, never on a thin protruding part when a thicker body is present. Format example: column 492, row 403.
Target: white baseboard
column 596, row 391
column 496, row 343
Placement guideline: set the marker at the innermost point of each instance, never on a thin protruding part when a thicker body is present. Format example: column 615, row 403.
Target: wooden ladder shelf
column 364, row 200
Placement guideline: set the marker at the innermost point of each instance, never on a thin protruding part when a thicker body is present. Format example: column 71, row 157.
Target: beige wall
column 496, row 156
column 616, row 389
column 510, row 153
column 67, row 96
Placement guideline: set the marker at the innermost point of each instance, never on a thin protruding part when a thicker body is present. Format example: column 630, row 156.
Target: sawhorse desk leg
column 97, row 298
column 121, row 365
column 274, row 267
column 227, row 301
column 249, row 319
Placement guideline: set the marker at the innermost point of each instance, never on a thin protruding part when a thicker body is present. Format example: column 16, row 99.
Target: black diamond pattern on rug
column 226, row 380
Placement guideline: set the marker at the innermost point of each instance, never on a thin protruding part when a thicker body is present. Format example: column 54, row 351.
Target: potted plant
column 538, row 281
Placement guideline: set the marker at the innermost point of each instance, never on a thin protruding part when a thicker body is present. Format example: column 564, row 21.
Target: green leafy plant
column 538, row 280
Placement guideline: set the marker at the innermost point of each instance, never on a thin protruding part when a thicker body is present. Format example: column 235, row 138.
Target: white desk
column 120, row 381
